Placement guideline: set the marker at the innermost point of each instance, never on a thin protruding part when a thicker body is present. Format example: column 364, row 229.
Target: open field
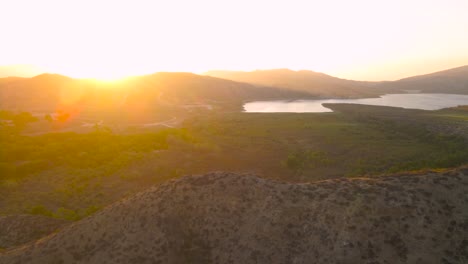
column 69, row 175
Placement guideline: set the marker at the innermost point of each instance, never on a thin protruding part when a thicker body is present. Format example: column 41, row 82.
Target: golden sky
column 359, row 39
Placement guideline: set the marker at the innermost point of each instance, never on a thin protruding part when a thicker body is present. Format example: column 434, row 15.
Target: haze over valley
column 47, row 92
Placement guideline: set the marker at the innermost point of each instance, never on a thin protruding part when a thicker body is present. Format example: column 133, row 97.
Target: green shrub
column 40, row 210
column 67, row 214
column 301, row 160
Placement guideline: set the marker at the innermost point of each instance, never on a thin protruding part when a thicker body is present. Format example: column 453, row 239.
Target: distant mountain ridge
column 315, row 83
column 454, row 72
column 453, row 81
column 448, row 81
column 46, row 92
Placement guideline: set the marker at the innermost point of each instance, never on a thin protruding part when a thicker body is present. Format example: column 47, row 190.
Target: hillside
column 47, row 92
column 191, row 88
column 36, row 93
column 20, row 229
column 52, row 92
column 315, row 83
column 449, row 81
column 231, row 218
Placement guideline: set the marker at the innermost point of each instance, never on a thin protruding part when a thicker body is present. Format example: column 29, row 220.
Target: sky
column 359, row 39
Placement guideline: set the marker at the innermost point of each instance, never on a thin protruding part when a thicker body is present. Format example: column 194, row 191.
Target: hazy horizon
column 359, row 40
column 33, row 71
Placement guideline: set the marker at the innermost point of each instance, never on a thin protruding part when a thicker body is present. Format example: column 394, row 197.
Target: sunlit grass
column 463, row 117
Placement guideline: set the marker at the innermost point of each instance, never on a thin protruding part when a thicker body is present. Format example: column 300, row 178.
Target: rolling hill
column 190, row 88
column 47, row 92
column 315, row 83
column 37, row 93
column 453, row 81
column 449, row 81
column 232, row 218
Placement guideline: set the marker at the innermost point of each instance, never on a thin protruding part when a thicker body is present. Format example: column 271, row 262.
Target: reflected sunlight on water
column 410, row 101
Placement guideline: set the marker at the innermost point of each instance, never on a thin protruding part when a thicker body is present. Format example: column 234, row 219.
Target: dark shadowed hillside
column 315, row 83
column 231, row 218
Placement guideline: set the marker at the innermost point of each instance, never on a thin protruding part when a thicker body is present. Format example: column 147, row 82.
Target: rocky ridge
column 231, row 218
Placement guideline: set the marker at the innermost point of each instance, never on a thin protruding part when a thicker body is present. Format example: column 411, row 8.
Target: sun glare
column 108, row 73
column 114, row 39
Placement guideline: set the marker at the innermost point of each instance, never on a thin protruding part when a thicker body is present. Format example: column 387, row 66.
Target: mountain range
column 315, row 83
column 47, row 92
column 453, row 81
column 449, row 81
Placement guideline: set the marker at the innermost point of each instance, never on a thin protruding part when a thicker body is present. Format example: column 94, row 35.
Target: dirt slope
column 230, row 218
column 16, row 230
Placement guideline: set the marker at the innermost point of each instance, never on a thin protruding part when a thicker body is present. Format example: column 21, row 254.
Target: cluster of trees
column 16, row 120
column 24, row 155
column 78, row 162
column 442, row 150
column 301, row 160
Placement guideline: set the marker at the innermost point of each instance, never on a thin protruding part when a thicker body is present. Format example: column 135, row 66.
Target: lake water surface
column 410, row 101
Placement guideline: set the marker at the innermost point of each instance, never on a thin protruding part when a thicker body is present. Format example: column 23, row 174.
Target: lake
column 410, row 101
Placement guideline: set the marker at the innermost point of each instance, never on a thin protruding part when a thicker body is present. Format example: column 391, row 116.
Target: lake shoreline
column 421, row 101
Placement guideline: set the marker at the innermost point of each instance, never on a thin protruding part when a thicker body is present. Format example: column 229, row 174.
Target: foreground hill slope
column 230, row 218
column 20, row 229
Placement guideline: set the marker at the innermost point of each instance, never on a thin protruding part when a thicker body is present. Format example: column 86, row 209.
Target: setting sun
column 365, row 40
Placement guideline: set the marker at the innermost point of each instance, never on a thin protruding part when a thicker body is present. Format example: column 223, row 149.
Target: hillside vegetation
column 71, row 175
column 229, row 218
column 73, row 151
